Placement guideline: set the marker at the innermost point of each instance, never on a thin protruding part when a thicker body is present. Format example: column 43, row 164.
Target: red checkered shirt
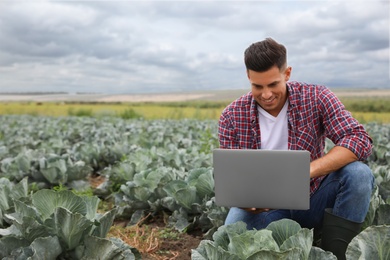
column 314, row 113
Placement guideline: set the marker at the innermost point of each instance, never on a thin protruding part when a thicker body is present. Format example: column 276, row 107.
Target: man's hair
column 263, row 55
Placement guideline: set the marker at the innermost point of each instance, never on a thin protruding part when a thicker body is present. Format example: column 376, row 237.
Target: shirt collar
column 293, row 94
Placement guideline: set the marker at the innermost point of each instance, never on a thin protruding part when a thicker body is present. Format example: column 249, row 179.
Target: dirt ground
column 149, row 240
column 176, row 246
column 183, row 247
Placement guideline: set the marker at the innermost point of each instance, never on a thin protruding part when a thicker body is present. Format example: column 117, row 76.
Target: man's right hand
column 255, row 210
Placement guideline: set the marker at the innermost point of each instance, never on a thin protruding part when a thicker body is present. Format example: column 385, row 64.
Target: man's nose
column 267, row 94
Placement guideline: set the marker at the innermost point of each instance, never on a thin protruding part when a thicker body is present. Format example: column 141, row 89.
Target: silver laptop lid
column 262, row 178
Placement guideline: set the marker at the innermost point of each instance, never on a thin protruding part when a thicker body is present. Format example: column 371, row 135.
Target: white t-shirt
column 274, row 130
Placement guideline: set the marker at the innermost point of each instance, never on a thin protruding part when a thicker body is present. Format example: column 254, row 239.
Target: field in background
column 174, row 110
column 365, row 105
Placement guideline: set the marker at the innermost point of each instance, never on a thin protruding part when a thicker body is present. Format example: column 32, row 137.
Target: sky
column 186, row 46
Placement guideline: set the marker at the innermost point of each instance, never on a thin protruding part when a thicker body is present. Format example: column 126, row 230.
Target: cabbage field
column 150, row 167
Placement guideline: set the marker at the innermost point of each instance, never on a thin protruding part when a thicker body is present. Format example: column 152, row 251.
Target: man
column 281, row 115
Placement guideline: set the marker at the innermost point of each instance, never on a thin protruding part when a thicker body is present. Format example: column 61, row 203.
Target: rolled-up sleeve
column 340, row 127
column 226, row 132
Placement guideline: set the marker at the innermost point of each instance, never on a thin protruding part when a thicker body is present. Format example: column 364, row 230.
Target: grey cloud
column 127, row 46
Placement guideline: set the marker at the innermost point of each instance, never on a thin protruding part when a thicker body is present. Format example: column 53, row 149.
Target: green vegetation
column 79, row 112
column 285, row 239
column 52, row 224
column 129, row 114
column 149, row 168
column 372, row 104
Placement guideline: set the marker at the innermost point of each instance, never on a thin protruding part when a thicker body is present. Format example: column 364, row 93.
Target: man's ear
column 287, row 73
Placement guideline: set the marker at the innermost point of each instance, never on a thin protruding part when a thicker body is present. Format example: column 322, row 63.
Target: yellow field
column 367, row 117
column 145, row 110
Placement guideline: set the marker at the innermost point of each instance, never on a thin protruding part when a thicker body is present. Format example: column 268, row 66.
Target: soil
column 178, row 248
column 182, row 247
column 147, row 238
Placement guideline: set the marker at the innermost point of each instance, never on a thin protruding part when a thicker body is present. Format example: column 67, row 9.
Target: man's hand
column 255, row 210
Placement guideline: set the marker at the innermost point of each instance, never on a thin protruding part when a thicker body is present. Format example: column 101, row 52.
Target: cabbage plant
column 379, row 210
column 8, row 193
column 372, row 243
column 285, row 239
column 60, row 224
column 46, row 170
column 282, row 239
column 191, row 197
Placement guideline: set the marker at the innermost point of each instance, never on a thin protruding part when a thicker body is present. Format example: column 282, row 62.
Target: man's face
column 269, row 88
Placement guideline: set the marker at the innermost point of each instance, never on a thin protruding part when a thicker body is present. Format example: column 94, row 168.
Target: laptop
column 262, row 178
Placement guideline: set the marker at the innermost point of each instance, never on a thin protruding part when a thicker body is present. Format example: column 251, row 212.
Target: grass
column 372, row 104
column 146, row 239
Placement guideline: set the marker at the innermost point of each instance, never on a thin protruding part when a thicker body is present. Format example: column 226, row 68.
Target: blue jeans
column 347, row 191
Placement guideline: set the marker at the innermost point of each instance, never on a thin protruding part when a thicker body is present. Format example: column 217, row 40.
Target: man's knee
column 359, row 169
column 359, row 176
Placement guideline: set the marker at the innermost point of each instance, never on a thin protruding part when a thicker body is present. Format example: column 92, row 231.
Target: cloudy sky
column 171, row 46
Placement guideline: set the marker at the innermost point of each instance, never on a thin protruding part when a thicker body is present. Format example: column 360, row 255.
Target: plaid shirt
column 314, row 113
